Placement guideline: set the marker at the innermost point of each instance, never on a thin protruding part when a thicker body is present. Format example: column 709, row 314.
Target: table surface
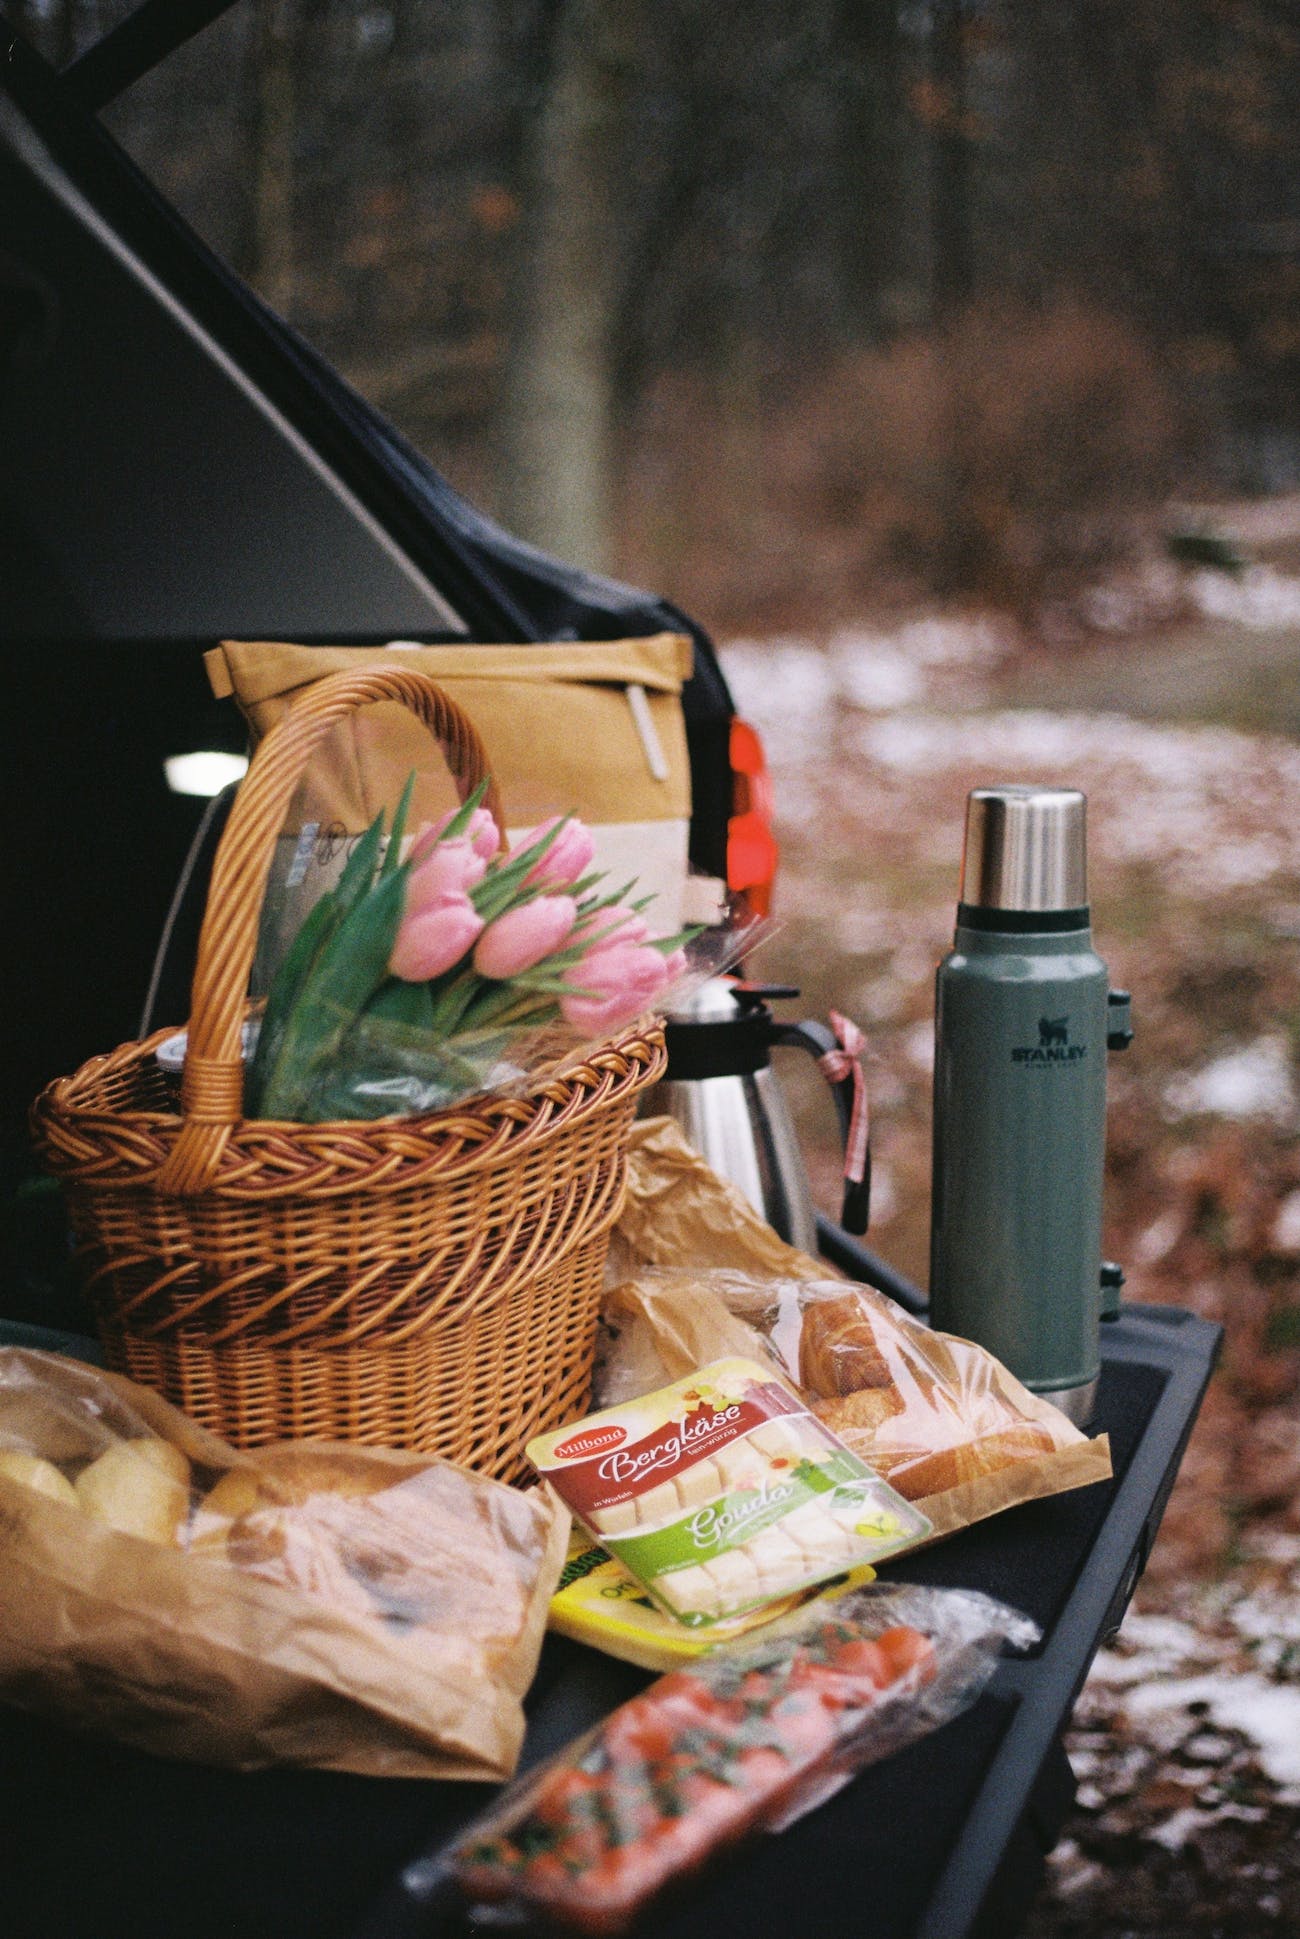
column 942, row 1841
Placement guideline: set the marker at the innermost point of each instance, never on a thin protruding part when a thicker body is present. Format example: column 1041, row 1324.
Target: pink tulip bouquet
column 418, row 981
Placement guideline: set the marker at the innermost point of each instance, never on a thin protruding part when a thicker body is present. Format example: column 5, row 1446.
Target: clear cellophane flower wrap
column 747, row 1739
column 448, row 966
column 695, row 1274
column 338, row 1607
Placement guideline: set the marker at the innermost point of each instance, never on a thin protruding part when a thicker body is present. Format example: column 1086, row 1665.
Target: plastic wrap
column 345, row 1607
column 937, row 1413
column 446, row 966
column 748, row 1738
column 939, row 1418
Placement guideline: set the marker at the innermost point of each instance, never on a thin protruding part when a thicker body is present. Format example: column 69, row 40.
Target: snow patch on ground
column 1258, row 597
column 1193, row 1691
column 1255, row 1081
column 1156, row 1645
column 794, row 688
column 1213, row 809
column 1267, row 1713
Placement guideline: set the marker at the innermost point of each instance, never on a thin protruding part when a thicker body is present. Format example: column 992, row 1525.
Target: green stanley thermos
column 1024, row 1018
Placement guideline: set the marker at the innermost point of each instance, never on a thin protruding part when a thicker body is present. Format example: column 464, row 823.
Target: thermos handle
column 840, row 1064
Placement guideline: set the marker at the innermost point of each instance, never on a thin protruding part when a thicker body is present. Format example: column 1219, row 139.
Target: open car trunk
column 177, row 466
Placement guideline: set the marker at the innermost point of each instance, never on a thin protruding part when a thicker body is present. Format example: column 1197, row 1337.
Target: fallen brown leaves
column 1195, row 859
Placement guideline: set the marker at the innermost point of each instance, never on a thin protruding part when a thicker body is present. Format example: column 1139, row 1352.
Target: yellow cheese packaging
column 600, row 1604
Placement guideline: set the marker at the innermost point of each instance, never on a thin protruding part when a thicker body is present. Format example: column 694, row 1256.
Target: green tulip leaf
column 393, row 853
column 348, row 970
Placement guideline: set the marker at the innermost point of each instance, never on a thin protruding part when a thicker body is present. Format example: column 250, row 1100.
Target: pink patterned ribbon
column 836, row 1065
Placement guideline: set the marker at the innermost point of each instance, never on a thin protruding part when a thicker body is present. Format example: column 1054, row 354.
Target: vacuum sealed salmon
column 748, row 1738
column 723, row 1492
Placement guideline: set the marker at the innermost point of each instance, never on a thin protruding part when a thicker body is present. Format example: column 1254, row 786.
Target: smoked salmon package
column 746, row 1739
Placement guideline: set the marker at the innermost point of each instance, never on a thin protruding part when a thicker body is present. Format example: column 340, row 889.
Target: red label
column 612, row 1476
column 578, row 1446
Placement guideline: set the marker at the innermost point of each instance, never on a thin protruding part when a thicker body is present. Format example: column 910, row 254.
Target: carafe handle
column 840, row 1063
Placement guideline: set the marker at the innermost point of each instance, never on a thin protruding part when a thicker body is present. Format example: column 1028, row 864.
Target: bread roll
column 254, row 1517
column 162, row 1455
column 413, row 1546
column 295, row 1474
column 43, row 1476
column 139, row 1487
column 918, row 1470
column 238, row 1490
column 288, row 1477
column 862, row 1414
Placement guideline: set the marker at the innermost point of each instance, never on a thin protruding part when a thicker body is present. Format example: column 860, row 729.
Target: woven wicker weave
column 428, row 1283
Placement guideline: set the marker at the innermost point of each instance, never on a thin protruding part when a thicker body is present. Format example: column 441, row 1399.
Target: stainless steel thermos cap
column 1026, row 849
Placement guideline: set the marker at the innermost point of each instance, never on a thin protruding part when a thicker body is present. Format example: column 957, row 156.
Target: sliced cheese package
column 722, row 1493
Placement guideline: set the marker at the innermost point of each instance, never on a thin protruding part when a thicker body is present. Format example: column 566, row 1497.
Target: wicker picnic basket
column 427, row 1282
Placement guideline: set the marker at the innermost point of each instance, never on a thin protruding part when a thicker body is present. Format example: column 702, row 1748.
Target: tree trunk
column 954, row 274
column 273, row 169
column 557, row 434
column 870, row 205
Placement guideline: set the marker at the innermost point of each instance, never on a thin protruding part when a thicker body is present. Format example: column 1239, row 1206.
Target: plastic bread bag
column 341, row 1607
column 939, row 1418
column 748, row 1738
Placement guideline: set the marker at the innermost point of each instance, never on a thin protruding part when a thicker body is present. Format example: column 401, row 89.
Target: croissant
column 838, row 1352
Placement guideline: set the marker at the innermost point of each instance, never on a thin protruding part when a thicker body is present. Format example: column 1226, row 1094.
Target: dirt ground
column 1180, row 723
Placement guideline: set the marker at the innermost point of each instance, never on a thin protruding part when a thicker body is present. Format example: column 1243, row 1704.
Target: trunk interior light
column 204, row 773
column 752, row 852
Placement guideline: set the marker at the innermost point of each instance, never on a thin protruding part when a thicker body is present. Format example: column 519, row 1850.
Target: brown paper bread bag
column 344, row 1608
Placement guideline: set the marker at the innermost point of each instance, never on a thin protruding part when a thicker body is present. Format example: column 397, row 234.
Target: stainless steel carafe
column 1024, row 1018
column 721, row 1090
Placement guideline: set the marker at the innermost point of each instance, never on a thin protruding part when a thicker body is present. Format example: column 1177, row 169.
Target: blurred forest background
column 765, row 303
column 943, row 358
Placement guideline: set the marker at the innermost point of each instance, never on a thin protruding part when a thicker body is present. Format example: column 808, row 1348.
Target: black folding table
column 942, row 1841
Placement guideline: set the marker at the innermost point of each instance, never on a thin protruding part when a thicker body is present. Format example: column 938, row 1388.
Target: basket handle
column 212, row 1088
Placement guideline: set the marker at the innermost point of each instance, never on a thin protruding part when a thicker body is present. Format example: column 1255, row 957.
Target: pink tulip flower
column 448, row 868
column 623, row 924
column 567, row 859
column 611, row 986
column 482, row 834
column 434, row 937
column 519, row 939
